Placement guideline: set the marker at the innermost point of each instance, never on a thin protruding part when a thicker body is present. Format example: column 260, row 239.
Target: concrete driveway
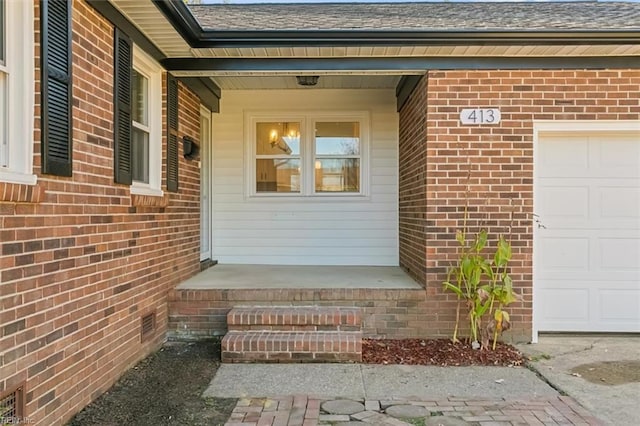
column 591, row 369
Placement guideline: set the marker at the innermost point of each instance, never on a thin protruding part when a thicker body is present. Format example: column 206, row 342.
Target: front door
column 205, row 184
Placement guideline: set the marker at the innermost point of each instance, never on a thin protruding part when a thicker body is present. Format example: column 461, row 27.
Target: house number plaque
column 480, row 116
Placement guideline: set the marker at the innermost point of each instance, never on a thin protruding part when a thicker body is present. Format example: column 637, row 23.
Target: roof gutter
column 403, row 65
column 180, row 17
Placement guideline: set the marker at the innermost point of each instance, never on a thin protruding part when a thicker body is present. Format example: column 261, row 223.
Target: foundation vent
column 12, row 406
column 147, row 326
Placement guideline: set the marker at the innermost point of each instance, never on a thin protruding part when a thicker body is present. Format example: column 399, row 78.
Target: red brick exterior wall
column 412, row 203
column 386, row 313
column 81, row 260
column 500, row 160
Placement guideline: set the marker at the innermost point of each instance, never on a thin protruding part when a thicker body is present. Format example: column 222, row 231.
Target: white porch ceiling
column 325, row 82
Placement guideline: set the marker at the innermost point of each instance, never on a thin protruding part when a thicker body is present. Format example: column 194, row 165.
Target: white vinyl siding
column 321, row 230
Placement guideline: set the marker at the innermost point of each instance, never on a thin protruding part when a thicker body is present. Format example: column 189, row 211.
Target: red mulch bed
column 441, row 352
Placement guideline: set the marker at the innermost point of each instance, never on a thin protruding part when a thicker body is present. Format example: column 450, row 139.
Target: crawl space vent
column 12, row 406
column 148, row 326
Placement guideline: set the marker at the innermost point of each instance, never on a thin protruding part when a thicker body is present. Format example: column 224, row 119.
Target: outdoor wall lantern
column 190, row 148
column 307, row 80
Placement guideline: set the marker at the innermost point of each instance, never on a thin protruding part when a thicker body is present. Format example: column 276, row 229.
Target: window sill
column 146, row 190
column 337, row 197
column 18, row 178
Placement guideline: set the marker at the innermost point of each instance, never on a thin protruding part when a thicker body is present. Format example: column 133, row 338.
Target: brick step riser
column 275, row 346
column 290, row 315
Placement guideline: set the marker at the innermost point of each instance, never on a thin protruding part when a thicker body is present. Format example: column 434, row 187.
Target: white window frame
column 16, row 124
column 152, row 71
column 307, row 122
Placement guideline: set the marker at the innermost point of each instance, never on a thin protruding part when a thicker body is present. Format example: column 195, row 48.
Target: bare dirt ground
column 166, row 388
column 163, row 389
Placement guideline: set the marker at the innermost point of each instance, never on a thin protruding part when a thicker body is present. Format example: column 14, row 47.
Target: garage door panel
column 610, row 160
column 587, row 256
column 568, row 153
column 619, row 304
column 560, row 305
column 620, row 254
column 563, row 254
column 620, row 203
column 565, row 202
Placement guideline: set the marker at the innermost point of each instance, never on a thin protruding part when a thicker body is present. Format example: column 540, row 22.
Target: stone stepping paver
column 342, row 406
column 332, row 418
column 302, row 410
column 407, row 411
column 446, row 421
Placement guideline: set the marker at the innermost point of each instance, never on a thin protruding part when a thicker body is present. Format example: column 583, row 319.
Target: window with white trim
column 146, row 124
column 310, row 155
column 16, row 91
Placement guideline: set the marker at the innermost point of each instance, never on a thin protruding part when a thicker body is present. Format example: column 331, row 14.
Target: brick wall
column 386, row 313
column 81, row 260
column 498, row 161
column 412, row 203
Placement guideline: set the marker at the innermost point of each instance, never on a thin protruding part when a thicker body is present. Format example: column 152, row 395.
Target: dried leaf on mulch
column 440, row 352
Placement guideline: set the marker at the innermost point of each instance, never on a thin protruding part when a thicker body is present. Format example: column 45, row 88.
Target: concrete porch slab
column 263, row 277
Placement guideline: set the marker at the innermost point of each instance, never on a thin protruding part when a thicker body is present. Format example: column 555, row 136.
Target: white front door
column 587, row 254
column 205, row 184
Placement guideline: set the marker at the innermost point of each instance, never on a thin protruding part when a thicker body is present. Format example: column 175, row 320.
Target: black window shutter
column 172, row 134
column 56, row 85
column 123, row 60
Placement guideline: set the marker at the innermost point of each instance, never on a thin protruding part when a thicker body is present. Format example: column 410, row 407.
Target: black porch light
column 307, row 80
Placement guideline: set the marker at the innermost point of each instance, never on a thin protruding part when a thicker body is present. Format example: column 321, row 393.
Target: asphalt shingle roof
column 586, row 16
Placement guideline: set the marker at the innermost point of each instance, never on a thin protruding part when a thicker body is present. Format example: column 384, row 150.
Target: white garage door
column 587, row 256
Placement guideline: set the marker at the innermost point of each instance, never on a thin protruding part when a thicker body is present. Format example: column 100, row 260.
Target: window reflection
column 337, row 175
column 338, row 138
column 278, row 138
column 337, row 157
column 277, row 175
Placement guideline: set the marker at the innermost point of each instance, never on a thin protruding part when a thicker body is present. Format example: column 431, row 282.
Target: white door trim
column 206, row 162
column 575, row 127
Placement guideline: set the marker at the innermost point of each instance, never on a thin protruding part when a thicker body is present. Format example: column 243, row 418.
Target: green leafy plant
column 483, row 284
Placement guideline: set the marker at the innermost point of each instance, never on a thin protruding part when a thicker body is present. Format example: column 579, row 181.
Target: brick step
column 292, row 346
column 294, row 318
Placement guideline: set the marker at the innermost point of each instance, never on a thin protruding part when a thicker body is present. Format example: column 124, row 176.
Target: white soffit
column 152, row 23
column 325, row 82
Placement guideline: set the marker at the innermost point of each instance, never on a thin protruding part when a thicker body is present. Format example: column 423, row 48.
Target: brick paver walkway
column 301, row 410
